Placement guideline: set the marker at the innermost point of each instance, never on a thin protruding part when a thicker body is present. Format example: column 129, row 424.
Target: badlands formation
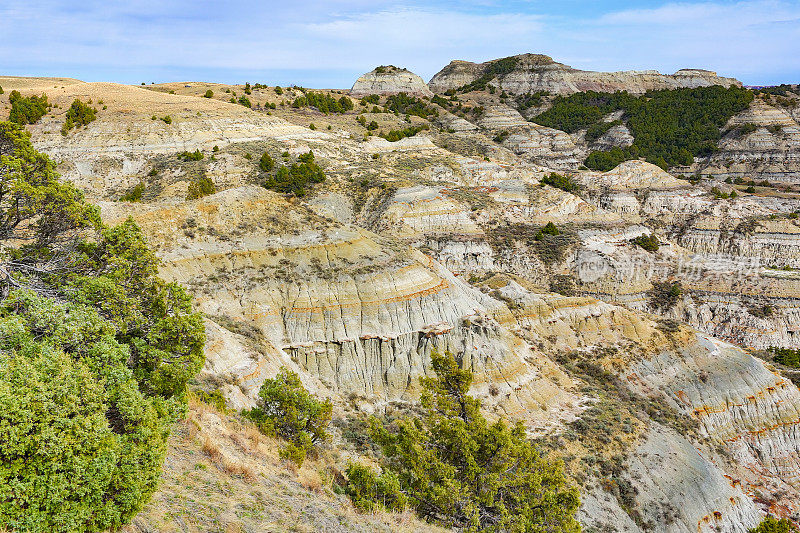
column 390, row 80
column 536, row 72
column 664, row 406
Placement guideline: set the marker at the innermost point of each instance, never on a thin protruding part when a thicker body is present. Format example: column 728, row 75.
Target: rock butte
column 390, row 80
column 535, row 72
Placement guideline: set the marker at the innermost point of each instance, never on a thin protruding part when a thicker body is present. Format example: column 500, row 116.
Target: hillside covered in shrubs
column 95, row 354
column 670, row 127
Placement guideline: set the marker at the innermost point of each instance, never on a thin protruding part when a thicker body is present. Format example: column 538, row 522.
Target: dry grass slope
column 222, row 475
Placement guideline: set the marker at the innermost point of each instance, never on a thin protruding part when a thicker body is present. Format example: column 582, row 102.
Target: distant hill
column 535, row 72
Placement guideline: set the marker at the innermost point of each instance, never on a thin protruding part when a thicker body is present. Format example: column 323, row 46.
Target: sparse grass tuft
column 211, row 449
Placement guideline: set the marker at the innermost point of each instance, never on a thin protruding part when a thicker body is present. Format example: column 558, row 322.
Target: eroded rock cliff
column 527, row 73
column 390, row 80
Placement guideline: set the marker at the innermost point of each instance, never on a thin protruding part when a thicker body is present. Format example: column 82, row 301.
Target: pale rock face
column 609, row 266
column 676, row 204
column 390, row 80
column 479, row 172
column 549, row 204
column 443, row 221
column 534, row 72
column 333, row 205
column 407, row 144
column 678, row 489
column 501, row 117
column 418, row 210
column 762, row 114
column 355, row 312
column 748, row 279
column 535, row 144
column 115, row 151
column 369, row 354
column 371, row 333
column 726, row 315
column 457, row 124
column 576, row 322
column 544, row 146
column 463, row 255
column 456, row 74
column 739, row 401
column 741, row 404
column 618, row 135
column 773, row 155
column 513, row 191
column 631, row 175
column 771, row 243
column 729, row 268
column 243, row 365
column 623, row 203
column 390, row 367
column 600, row 508
column 608, row 240
column 155, row 137
column 674, row 479
column 726, row 271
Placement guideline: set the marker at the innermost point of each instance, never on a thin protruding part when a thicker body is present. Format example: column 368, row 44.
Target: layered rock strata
column 536, row 72
column 390, row 80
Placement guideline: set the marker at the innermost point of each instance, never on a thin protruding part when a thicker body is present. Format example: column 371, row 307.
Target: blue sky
column 329, row 43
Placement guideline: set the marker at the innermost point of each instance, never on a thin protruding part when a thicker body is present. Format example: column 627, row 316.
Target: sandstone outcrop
column 728, row 272
column 618, row 135
column 771, row 152
column 390, row 80
column 535, row 143
column 357, row 313
column 117, row 150
column 456, row 124
column 534, row 72
column 544, row 146
column 740, row 403
column 734, row 260
column 420, row 210
column 501, row 117
column 632, row 175
column 417, row 142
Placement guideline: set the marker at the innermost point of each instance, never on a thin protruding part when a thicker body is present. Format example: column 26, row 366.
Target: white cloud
column 423, row 40
column 739, row 14
column 334, row 40
column 268, row 36
column 749, row 38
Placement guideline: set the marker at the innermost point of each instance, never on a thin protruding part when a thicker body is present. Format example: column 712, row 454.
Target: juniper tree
column 95, row 354
column 457, row 469
column 287, row 410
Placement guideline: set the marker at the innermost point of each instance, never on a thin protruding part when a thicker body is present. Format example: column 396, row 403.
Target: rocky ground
column 657, row 405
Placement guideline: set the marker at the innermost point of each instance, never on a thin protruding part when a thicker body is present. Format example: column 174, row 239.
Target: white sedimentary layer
column 390, row 80
column 631, row 175
column 534, row 72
